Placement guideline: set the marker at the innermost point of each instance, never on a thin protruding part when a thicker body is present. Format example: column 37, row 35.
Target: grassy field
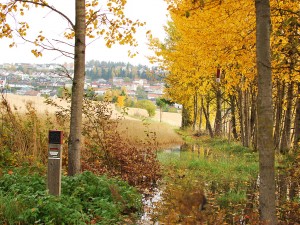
column 136, row 126
column 18, row 102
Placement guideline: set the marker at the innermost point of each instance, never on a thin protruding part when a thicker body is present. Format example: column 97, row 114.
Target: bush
column 85, row 198
column 107, row 151
column 148, row 105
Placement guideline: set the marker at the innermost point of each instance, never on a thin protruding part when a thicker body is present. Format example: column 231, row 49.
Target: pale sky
column 153, row 12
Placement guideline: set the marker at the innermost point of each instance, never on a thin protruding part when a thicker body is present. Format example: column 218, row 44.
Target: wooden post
column 54, row 162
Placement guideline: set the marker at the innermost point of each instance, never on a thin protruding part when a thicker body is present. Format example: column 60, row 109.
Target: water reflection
column 196, row 150
column 178, row 189
column 149, row 202
column 232, row 192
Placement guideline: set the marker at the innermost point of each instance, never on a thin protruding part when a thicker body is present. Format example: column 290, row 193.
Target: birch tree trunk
column 278, row 115
column 218, row 120
column 267, row 206
column 74, row 146
column 185, row 120
column 286, row 133
column 246, row 119
column 241, row 115
column 200, row 114
column 253, row 119
column 207, row 116
column 297, row 121
column 195, row 110
column 233, row 117
column 208, row 125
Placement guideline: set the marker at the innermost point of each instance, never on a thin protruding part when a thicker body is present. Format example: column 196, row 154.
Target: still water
column 155, row 201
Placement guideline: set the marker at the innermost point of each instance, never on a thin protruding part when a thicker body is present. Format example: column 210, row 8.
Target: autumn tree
column 286, row 64
column 203, row 36
column 91, row 20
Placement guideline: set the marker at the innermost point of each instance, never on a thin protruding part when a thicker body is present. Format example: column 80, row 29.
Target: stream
column 150, row 201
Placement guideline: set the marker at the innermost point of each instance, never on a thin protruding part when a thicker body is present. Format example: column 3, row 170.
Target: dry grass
column 173, row 119
column 132, row 127
column 18, row 103
column 137, row 131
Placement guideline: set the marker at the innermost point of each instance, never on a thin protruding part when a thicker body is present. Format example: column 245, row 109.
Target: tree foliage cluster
column 211, row 39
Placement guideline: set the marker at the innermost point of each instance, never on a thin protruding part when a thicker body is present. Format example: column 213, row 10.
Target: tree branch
column 49, row 47
column 50, row 7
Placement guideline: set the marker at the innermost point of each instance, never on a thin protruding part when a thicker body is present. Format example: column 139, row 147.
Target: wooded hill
column 96, row 70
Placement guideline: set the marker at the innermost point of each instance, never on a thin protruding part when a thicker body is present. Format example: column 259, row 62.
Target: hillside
column 18, row 102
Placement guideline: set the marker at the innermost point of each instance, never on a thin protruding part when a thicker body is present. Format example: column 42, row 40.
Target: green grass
column 220, row 165
column 231, row 197
column 85, row 198
column 225, row 166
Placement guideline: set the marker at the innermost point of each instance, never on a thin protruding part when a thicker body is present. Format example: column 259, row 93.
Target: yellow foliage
column 102, row 19
column 121, row 100
column 205, row 35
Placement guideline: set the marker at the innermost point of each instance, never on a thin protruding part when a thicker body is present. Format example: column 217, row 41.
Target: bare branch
column 63, row 72
column 50, row 47
column 50, row 7
column 63, row 42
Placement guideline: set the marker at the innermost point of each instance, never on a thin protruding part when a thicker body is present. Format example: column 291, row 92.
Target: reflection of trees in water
column 288, row 195
column 235, row 201
column 201, row 152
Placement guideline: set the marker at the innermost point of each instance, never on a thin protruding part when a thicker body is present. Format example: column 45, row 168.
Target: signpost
column 54, row 162
column 218, row 77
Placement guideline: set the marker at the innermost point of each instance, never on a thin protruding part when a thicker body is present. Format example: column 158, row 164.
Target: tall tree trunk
column 253, row 118
column 241, row 115
column 297, row 121
column 285, row 143
column 218, row 120
column 195, row 110
column 206, row 114
column 267, row 206
column 279, row 110
column 246, row 119
column 185, row 121
column 233, row 118
column 77, row 90
column 200, row 113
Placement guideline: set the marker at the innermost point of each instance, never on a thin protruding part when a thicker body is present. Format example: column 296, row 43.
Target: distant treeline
column 96, row 70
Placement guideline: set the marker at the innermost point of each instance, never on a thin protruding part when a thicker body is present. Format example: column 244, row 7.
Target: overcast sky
column 153, row 12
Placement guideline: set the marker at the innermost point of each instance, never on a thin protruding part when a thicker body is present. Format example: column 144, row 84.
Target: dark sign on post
column 218, row 77
column 54, row 162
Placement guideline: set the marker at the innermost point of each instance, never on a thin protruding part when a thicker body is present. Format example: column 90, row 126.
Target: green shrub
column 148, row 105
column 85, row 198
